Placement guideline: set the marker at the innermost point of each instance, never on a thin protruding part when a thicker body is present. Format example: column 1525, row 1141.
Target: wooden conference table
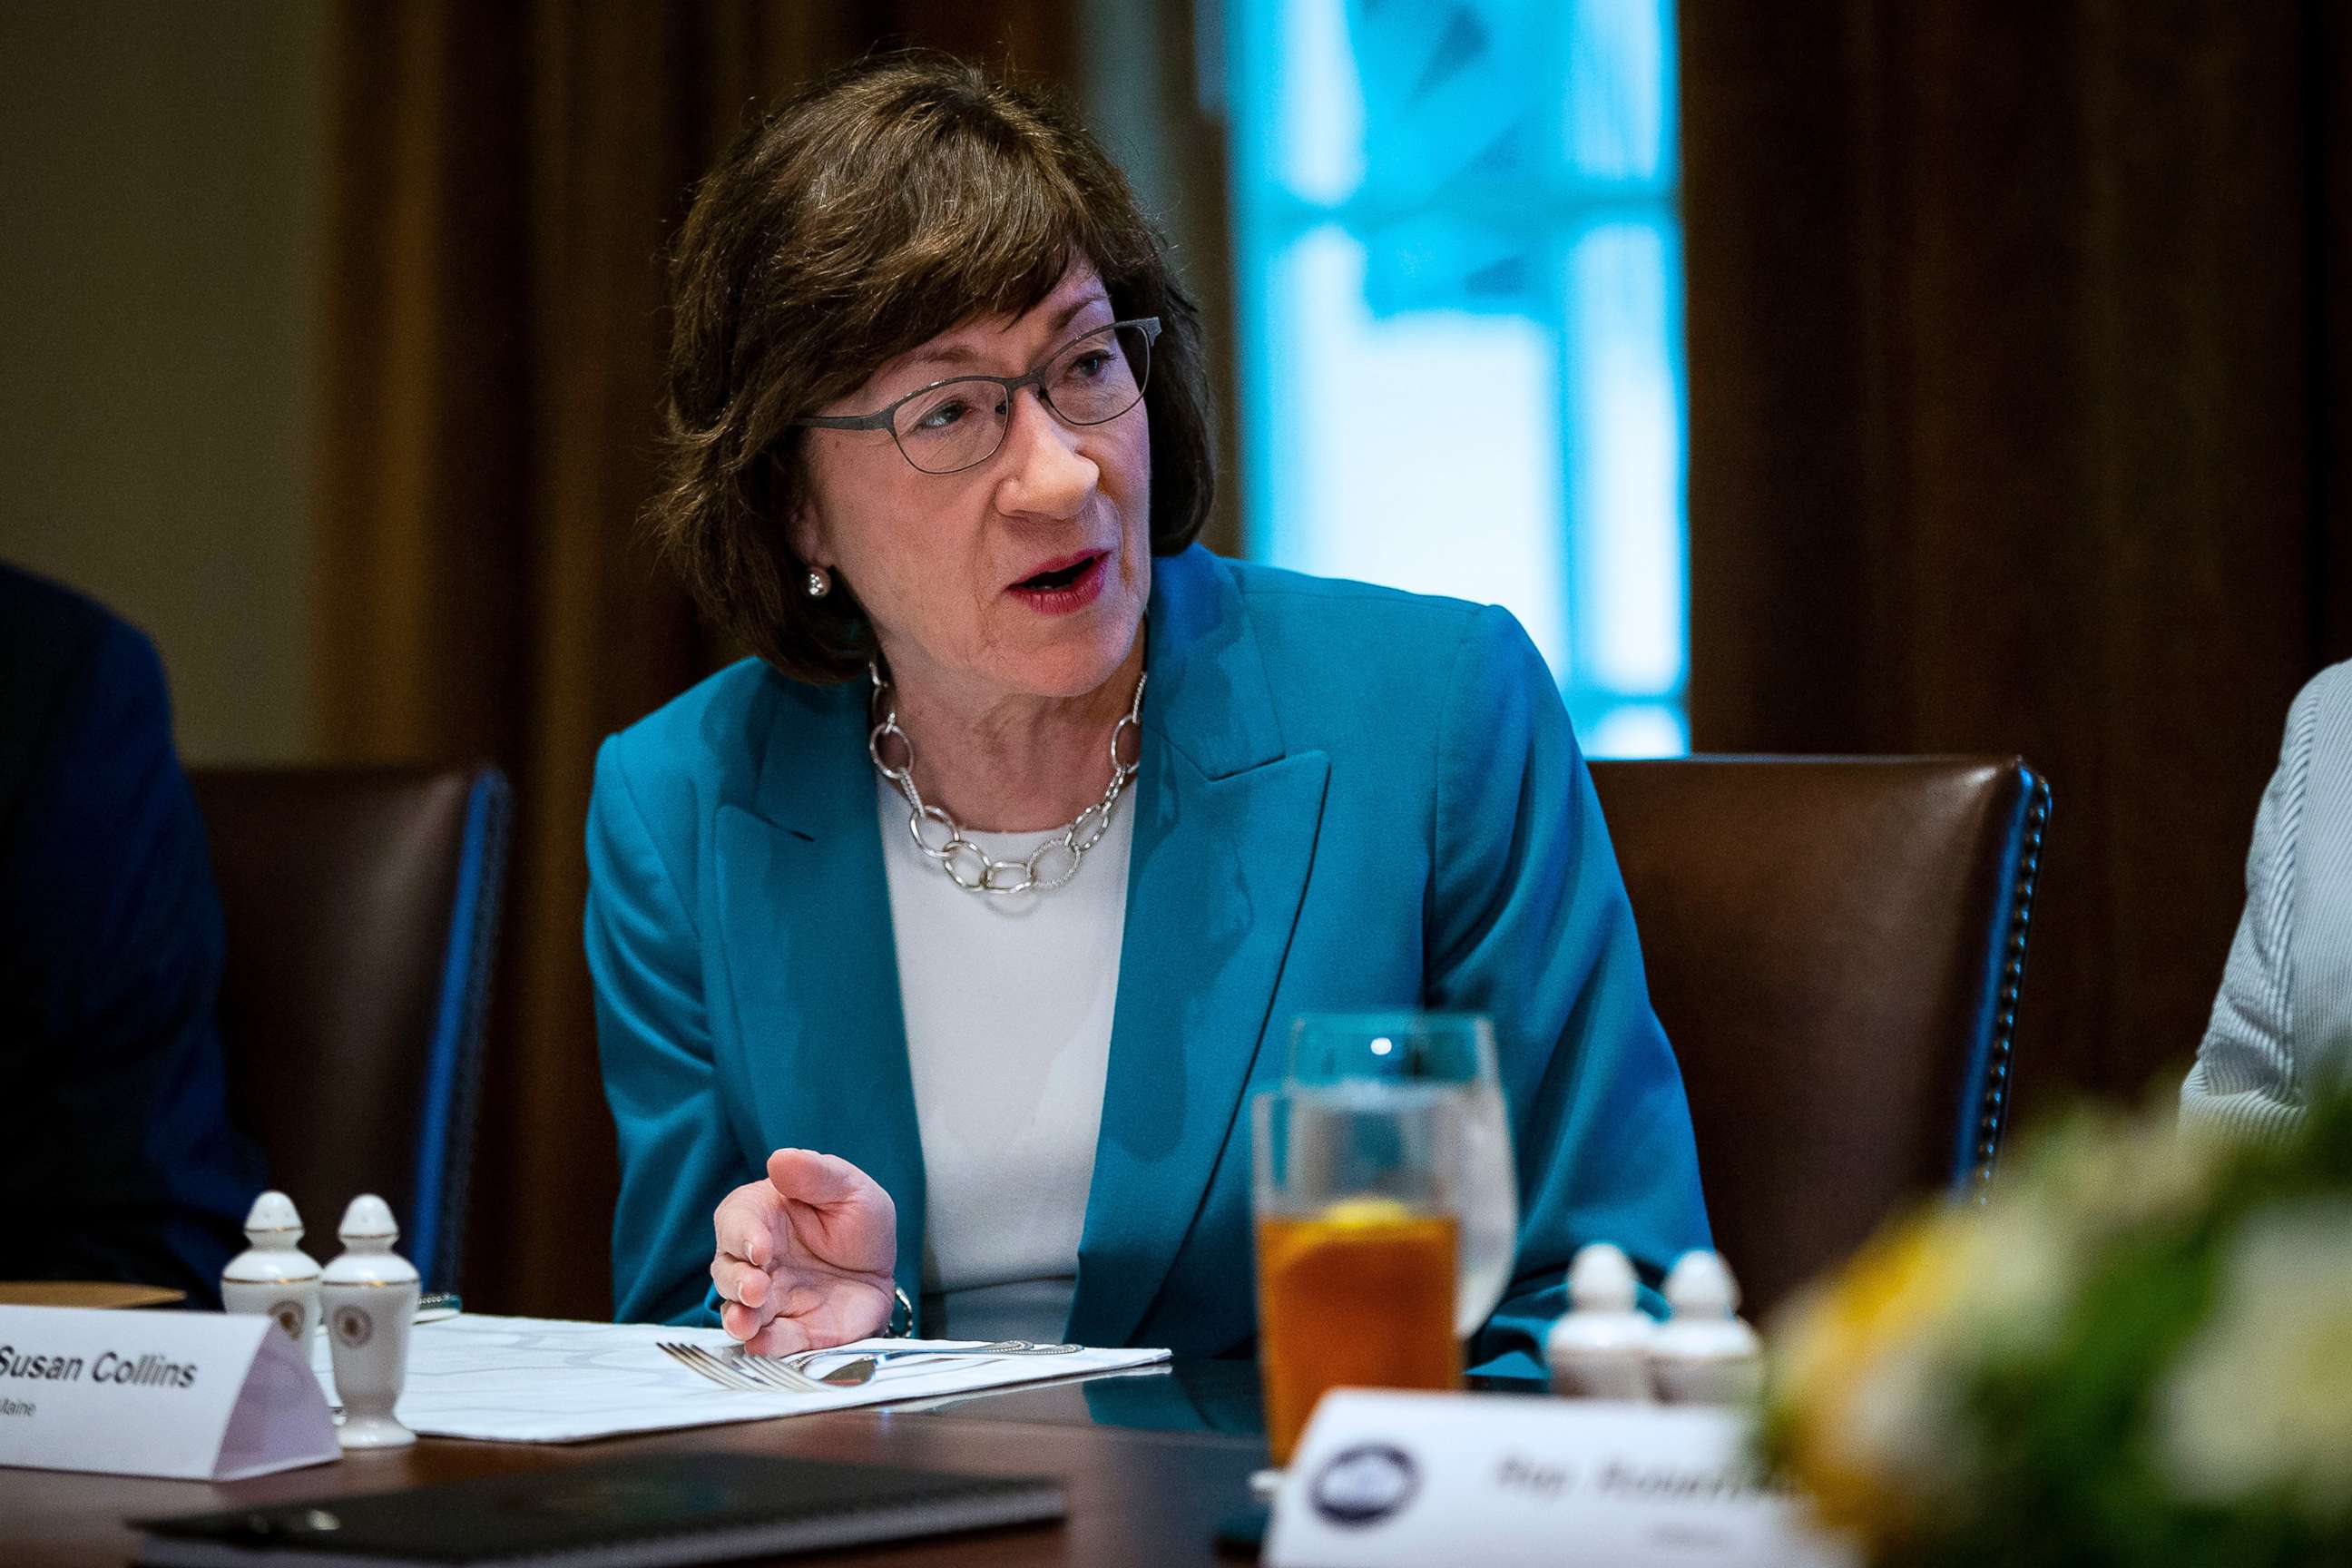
column 1150, row 1465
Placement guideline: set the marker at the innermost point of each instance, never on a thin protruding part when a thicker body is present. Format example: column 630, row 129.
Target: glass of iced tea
column 1456, row 1048
column 1358, row 1195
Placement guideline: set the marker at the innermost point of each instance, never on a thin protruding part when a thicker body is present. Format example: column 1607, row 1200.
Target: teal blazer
column 1349, row 798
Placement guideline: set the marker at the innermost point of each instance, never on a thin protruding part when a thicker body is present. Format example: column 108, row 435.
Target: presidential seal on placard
column 1365, row 1483
column 353, row 1327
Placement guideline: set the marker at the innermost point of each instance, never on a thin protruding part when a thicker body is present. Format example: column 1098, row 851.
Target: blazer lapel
column 805, row 930
column 1224, row 839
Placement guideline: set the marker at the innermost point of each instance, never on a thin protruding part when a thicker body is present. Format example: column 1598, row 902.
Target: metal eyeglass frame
column 881, row 419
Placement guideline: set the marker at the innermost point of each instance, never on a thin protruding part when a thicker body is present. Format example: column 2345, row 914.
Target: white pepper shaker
column 273, row 1276
column 1601, row 1350
column 1704, row 1354
column 370, row 1295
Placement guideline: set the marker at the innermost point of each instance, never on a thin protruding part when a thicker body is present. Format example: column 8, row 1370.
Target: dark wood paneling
column 2017, row 389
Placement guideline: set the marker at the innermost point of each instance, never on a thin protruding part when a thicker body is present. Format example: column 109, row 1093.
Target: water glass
column 1456, row 1048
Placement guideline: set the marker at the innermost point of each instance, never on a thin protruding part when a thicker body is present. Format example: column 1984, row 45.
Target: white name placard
column 200, row 1397
column 1392, row 1479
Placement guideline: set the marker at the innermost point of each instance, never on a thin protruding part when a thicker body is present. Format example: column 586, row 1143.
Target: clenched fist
column 803, row 1259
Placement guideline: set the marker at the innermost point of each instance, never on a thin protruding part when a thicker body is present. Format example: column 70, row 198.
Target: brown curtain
column 505, row 181
column 2020, row 386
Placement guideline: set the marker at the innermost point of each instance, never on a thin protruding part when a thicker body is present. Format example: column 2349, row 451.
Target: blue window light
column 1460, row 282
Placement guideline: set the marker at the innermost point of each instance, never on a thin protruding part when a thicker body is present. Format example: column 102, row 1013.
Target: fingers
column 821, row 1311
column 737, row 1280
column 745, row 1223
column 808, row 1177
column 835, row 1214
column 744, row 1226
column 759, row 1300
column 796, row 1256
column 740, row 1322
column 781, row 1337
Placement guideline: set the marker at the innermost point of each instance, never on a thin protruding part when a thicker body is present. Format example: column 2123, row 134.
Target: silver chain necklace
column 966, row 865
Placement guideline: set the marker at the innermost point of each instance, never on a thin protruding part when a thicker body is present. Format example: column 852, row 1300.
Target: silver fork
column 749, row 1373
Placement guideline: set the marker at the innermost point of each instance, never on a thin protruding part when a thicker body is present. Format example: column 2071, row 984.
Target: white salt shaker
column 1704, row 1354
column 1601, row 1350
column 273, row 1276
column 370, row 1295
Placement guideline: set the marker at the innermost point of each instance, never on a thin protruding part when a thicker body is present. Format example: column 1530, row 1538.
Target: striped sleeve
column 2284, row 1005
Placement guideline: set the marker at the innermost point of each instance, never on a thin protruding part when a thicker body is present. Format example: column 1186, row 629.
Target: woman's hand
column 803, row 1259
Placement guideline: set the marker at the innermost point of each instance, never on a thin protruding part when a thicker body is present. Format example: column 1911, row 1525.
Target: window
column 1460, row 284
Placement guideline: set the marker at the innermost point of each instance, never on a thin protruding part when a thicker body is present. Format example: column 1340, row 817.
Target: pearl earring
column 819, row 583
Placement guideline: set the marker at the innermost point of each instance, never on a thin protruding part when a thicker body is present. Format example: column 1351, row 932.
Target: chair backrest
column 361, row 907
column 1835, row 947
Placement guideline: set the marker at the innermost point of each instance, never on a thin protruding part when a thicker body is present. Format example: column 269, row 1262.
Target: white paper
column 200, row 1397
column 541, row 1380
column 1398, row 1480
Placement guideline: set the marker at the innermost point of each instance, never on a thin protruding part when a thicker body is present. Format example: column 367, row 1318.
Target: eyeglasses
column 950, row 426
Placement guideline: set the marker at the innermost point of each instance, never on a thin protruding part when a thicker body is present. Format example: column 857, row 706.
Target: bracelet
column 902, row 1316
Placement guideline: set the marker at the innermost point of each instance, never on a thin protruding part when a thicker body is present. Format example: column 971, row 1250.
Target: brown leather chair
column 1835, row 947
column 361, row 907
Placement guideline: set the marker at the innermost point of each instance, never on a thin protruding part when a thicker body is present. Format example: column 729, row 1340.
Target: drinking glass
column 1357, row 1192
column 1456, row 1048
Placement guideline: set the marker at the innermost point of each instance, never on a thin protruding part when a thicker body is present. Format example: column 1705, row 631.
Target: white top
column 1008, row 1007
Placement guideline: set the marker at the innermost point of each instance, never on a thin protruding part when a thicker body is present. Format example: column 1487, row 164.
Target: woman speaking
column 937, row 948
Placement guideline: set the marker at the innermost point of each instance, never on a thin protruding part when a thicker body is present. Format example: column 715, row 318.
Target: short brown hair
column 891, row 202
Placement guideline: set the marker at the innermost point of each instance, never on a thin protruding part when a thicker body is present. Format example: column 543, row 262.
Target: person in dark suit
column 119, row 1161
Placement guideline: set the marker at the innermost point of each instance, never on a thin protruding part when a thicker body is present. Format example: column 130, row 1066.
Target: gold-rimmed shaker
column 370, row 1294
column 273, row 1276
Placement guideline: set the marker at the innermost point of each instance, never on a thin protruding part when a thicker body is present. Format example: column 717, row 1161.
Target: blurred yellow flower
column 1850, row 1363
column 1982, row 1384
